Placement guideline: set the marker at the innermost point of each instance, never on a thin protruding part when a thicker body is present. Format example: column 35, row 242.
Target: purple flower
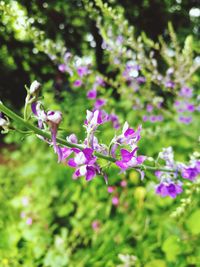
column 186, row 92
column 99, row 103
column 72, row 139
column 190, row 107
column 160, row 118
column 185, row 120
column 100, row 81
column 191, row 172
column 149, row 108
column 145, row 118
column 77, row 83
column 170, row 84
column 65, row 153
column 128, row 137
column 101, row 148
column 115, row 120
column 153, row 118
column 82, row 71
column 141, row 79
column 53, row 119
column 85, row 164
column 167, row 155
column 94, row 119
column 170, row 189
column 92, row 94
column 119, row 39
column 64, row 68
column 129, row 159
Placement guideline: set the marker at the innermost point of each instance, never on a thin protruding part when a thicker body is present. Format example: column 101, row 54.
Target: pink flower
column 115, row 201
column 123, row 183
column 96, row 225
column 29, row 221
column 111, row 189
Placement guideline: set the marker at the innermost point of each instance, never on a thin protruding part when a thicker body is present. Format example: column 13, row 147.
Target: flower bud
column 4, row 123
column 35, row 86
column 54, row 117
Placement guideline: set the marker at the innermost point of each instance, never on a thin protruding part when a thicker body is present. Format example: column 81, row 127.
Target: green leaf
column 156, row 263
column 171, row 248
column 193, row 223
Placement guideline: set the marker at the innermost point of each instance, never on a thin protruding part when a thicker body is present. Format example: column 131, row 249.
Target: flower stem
column 12, row 115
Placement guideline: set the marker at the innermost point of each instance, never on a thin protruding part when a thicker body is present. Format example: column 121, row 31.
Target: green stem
column 12, row 115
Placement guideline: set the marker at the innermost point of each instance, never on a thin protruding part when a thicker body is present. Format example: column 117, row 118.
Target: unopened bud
column 54, row 117
column 35, row 86
column 4, row 123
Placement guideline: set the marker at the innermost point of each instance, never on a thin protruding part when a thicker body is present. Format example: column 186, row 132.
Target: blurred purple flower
column 115, row 120
column 186, row 92
column 170, row 189
column 82, row 71
column 92, row 94
column 77, row 83
column 170, row 84
column 99, row 103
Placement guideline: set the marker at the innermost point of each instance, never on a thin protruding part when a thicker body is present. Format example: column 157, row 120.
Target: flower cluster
column 122, row 150
column 184, row 105
column 170, row 184
column 83, row 156
column 151, row 113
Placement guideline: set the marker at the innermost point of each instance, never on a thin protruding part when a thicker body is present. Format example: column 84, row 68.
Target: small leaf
column 193, row 223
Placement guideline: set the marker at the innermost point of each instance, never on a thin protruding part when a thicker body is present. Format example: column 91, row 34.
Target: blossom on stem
column 129, row 159
column 54, row 119
column 128, row 137
column 39, row 112
column 85, row 164
column 94, row 119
